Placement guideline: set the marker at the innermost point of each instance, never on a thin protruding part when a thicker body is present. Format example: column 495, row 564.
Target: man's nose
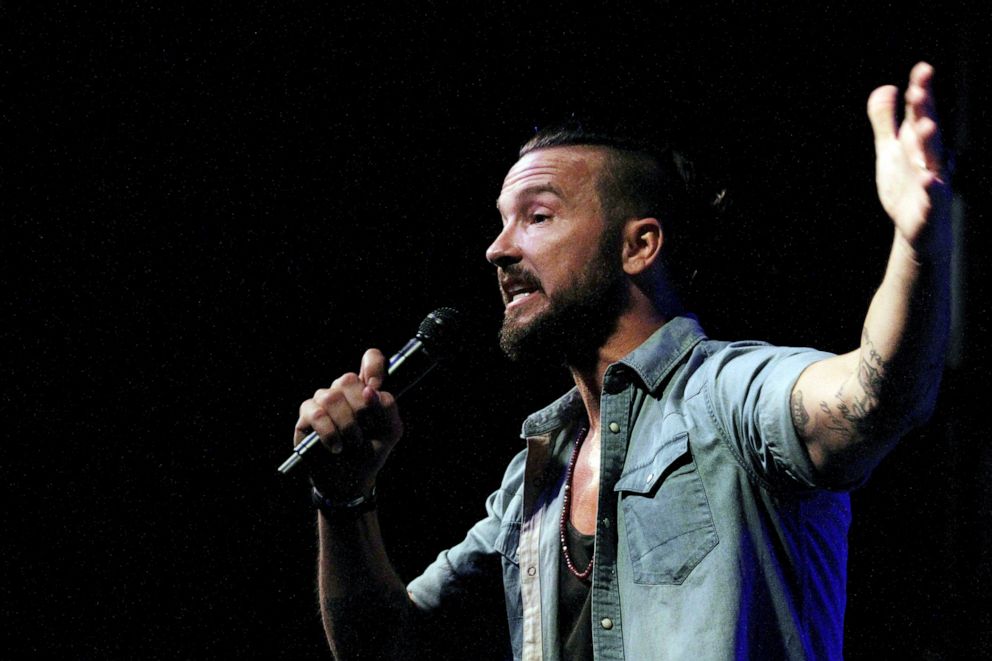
column 504, row 250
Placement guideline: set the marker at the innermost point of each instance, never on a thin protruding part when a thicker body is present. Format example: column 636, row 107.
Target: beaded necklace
column 566, row 509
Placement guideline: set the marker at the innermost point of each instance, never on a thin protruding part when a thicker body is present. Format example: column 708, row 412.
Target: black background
column 210, row 212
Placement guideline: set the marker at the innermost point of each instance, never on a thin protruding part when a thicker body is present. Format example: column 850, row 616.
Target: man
column 687, row 498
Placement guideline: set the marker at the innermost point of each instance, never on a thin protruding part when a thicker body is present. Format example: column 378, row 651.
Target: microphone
column 433, row 342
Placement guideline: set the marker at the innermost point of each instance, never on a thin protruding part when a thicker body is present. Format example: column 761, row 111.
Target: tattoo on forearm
column 850, row 414
column 864, row 411
column 800, row 416
column 871, row 368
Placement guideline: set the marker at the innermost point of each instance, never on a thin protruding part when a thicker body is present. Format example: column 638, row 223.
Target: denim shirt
column 713, row 538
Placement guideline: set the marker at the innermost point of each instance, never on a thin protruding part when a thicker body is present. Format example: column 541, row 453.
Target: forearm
column 364, row 605
column 859, row 404
column 905, row 336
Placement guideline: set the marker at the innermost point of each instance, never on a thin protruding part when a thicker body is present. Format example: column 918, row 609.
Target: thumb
column 373, row 371
column 882, row 112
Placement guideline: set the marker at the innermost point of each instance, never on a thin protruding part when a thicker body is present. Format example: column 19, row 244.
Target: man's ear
column 642, row 241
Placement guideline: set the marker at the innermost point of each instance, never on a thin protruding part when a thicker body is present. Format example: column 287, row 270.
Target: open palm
column 909, row 169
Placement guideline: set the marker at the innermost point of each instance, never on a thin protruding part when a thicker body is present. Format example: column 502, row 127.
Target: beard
column 580, row 318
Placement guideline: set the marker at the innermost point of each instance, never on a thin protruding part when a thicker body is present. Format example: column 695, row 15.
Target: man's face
column 559, row 270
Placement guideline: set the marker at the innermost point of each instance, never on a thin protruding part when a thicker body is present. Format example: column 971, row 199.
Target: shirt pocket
column 667, row 517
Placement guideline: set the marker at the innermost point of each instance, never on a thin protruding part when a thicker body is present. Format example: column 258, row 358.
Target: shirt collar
column 660, row 353
column 651, row 361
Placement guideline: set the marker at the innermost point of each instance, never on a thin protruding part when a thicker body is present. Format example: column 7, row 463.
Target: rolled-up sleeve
column 748, row 386
column 458, row 570
column 462, row 590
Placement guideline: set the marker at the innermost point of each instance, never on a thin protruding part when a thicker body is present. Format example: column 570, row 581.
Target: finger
column 373, row 371
column 921, row 83
column 921, row 74
column 930, row 143
column 339, row 401
column 380, row 418
column 913, row 96
column 313, row 418
column 920, row 104
column 882, row 112
column 387, row 415
column 922, row 107
column 352, row 388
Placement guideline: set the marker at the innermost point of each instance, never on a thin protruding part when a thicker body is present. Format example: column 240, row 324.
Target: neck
column 634, row 326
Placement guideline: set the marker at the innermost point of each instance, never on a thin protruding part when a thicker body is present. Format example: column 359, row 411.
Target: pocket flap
column 508, row 541
column 642, row 477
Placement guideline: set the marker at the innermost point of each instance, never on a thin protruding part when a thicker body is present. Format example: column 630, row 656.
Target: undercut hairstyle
column 640, row 180
column 637, row 181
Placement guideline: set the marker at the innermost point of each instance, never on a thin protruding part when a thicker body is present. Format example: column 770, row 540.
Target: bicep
column 823, row 411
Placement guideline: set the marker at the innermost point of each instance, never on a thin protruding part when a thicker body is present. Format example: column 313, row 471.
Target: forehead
column 567, row 171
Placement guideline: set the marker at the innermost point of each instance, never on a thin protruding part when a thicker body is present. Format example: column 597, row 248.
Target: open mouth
column 518, row 293
column 518, row 286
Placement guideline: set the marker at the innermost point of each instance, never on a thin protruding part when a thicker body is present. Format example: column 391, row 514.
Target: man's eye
column 540, row 217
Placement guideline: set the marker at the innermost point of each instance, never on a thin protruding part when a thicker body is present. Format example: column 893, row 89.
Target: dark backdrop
column 210, row 212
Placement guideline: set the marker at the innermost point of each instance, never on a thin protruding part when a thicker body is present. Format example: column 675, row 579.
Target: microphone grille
column 439, row 329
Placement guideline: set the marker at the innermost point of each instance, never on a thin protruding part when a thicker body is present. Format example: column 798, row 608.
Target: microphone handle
column 424, row 365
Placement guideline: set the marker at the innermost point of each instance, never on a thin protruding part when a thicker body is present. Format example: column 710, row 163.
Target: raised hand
column 913, row 186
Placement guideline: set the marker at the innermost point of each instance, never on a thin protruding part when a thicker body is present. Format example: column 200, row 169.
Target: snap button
column 531, row 571
column 606, row 522
column 607, row 623
column 614, row 427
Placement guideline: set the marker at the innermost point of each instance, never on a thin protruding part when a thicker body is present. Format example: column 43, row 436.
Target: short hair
column 640, row 180
column 637, row 180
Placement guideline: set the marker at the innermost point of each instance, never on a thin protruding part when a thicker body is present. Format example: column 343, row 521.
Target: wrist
column 931, row 246
column 336, row 508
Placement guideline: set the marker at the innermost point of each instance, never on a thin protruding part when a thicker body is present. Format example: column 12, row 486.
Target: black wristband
column 354, row 507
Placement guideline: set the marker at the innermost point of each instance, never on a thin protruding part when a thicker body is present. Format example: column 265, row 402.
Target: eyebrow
column 536, row 189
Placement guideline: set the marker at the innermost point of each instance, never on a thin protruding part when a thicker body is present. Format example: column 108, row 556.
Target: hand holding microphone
column 356, row 420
